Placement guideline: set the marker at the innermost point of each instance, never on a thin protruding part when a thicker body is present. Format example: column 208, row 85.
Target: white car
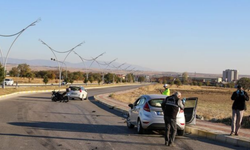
column 78, row 92
column 8, row 81
column 146, row 113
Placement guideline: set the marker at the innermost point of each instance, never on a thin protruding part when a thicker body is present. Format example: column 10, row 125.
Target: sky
column 206, row 36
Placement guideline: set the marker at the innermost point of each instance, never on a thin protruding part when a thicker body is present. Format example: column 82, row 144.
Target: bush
column 111, row 95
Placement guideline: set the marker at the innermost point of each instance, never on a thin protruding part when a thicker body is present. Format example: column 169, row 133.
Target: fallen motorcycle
column 58, row 96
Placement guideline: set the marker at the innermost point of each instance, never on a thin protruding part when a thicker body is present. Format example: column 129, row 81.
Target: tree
column 14, row 72
column 91, row 79
column 45, row 79
column 23, row 69
column 200, row 83
column 141, row 79
column 85, row 80
column 40, row 74
column 30, row 75
column 98, row 77
column 99, row 81
column 231, row 85
column 244, row 82
column 51, row 75
column 129, row 77
column 177, row 82
column 77, row 75
column 1, row 73
column 195, row 83
column 185, row 78
column 108, row 78
column 71, row 80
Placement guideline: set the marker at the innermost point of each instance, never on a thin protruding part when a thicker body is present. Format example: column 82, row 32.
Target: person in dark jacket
column 239, row 105
column 170, row 107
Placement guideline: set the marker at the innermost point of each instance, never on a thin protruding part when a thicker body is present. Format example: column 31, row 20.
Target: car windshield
column 155, row 102
column 74, row 88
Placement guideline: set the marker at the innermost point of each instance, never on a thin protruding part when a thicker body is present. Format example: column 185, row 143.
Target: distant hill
column 49, row 63
column 41, row 64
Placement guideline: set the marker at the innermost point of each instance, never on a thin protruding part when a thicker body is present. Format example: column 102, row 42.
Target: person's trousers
column 236, row 120
column 170, row 129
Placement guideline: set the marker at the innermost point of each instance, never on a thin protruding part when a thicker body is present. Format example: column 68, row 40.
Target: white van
column 8, row 81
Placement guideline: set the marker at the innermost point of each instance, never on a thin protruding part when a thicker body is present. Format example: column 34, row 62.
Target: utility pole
column 107, row 65
column 17, row 36
column 93, row 60
column 56, row 59
column 117, row 69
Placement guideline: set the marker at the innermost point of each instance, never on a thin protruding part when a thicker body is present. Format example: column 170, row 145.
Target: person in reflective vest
column 166, row 91
column 170, row 107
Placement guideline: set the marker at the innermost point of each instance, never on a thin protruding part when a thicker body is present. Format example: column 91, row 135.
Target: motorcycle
column 58, row 96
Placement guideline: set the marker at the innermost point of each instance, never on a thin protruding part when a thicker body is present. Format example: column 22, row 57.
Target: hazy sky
column 206, row 36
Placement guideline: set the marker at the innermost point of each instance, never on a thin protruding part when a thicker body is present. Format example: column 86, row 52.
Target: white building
column 230, row 75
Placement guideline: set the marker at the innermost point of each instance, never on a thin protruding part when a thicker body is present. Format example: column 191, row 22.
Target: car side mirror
column 131, row 106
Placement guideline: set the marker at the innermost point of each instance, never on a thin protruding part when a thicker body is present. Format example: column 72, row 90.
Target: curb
column 219, row 136
column 213, row 135
column 110, row 106
column 23, row 92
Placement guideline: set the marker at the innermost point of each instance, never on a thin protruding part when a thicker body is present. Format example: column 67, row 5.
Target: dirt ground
column 214, row 103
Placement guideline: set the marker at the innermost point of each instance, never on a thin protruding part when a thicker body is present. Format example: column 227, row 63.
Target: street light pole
column 93, row 60
column 18, row 34
column 60, row 71
column 117, row 69
column 125, row 70
column 59, row 66
column 107, row 67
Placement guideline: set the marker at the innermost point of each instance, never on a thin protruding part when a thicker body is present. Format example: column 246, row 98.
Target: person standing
column 239, row 105
column 170, row 107
column 166, row 90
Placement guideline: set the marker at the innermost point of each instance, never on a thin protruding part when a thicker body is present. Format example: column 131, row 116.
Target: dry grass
column 9, row 90
column 213, row 102
column 13, row 89
column 36, row 80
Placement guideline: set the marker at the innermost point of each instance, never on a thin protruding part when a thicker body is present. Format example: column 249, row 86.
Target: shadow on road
column 35, row 97
column 74, row 127
column 85, row 139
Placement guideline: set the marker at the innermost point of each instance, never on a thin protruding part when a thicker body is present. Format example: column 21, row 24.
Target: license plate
column 159, row 113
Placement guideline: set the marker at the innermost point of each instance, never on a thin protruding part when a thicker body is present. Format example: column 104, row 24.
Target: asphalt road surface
column 34, row 122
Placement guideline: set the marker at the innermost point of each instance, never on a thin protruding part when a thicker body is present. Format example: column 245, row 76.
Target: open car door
column 190, row 110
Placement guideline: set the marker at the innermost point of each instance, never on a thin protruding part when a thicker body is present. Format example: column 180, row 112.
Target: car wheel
column 129, row 125
column 86, row 98
column 180, row 132
column 140, row 130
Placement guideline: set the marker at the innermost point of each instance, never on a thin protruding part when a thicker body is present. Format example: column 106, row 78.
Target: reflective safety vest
column 166, row 92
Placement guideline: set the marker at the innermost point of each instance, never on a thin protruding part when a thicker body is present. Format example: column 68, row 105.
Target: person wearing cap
column 166, row 91
column 239, row 105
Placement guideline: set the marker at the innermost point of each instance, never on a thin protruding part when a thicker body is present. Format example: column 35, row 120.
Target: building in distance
column 230, row 75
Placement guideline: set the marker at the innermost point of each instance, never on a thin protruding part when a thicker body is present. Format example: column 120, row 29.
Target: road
column 33, row 122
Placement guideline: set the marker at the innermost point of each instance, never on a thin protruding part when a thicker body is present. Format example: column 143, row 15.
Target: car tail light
column 145, row 122
column 80, row 90
column 181, row 111
column 146, row 107
column 182, row 124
